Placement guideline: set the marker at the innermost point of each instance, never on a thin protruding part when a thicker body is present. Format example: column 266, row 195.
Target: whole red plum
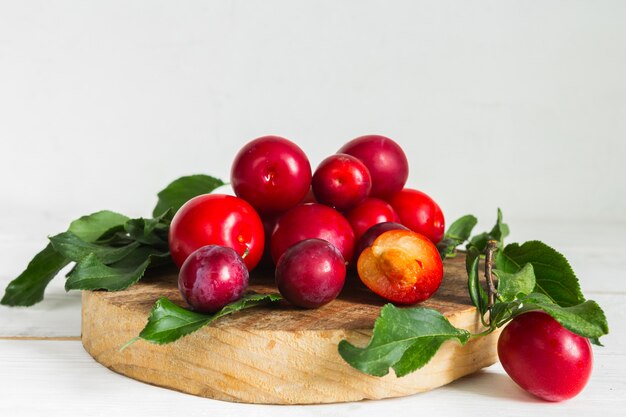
column 271, row 173
column 385, row 160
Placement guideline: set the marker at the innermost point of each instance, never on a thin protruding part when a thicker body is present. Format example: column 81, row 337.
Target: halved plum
column 401, row 266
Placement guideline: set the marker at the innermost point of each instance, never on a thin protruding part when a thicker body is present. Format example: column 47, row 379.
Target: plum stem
column 490, row 249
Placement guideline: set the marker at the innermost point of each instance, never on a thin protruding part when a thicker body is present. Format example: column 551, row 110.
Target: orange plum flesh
column 401, row 266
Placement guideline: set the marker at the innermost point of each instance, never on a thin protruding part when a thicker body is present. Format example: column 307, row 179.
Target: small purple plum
column 212, row 277
column 311, row 273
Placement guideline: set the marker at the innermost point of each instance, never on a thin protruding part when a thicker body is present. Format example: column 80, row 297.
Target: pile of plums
column 311, row 226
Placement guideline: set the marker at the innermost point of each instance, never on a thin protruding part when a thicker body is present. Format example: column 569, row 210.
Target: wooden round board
column 278, row 354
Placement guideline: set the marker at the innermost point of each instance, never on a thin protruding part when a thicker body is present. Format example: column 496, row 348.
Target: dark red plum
column 385, row 160
column 370, row 212
column 212, row 277
column 311, row 273
column 372, row 233
column 341, row 181
column 309, row 221
column 271, row 173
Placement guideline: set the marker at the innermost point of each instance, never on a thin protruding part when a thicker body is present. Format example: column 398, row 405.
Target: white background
column 517, row 104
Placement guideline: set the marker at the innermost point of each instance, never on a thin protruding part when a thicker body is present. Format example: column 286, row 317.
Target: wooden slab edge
column 267, row 366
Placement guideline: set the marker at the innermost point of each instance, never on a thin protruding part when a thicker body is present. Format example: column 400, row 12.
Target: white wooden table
column 45, row 371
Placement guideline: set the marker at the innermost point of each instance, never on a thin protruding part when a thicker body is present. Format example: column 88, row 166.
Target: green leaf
column 169, row 322
column 585, row 319
column 516, row 284
column 476, row 291
column 75, row 249
column 595, row 341
column 472, row 253
column 182, row 190
column 497, row 233
column 28, row 288
column 457, row 233
column 150, row 231
column 502, row 312
column 91, row 274
column 554, row 275
column 90, row 228
column 403, row 339
column 461, row 228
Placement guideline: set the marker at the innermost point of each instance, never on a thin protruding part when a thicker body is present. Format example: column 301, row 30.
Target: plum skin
column 309, row 221
column 216, row 219
column 420, row 213
column 271, row 173
column 545, row 358
column 341, row 181
column 370, row 212
column 385, row 160
column 212, row 277
column 311, row 273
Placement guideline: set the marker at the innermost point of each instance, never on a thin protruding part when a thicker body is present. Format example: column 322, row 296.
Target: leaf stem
column 484, row 333
column 130, row 342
